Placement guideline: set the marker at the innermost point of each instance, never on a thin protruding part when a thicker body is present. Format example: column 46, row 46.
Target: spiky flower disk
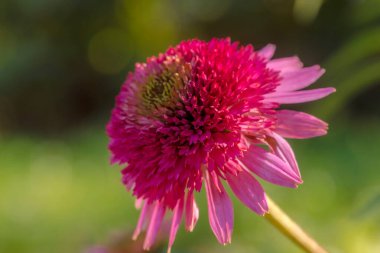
column 202, row 113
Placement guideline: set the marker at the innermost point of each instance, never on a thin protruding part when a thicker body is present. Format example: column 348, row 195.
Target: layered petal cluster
column 204, row 113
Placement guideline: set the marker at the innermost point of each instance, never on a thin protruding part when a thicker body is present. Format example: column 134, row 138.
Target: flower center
column 163, row 90
column 160, row 89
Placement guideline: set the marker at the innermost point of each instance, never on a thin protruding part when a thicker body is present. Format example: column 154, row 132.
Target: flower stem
column 291, row 229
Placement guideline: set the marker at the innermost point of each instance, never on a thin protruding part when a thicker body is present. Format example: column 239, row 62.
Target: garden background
column 62, row 63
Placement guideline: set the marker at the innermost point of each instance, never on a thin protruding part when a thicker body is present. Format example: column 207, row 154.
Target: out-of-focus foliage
column 61, row 196
column 62, row 63
column 355, row 66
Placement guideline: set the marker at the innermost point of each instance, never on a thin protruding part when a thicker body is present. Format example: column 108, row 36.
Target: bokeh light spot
column 305, row 11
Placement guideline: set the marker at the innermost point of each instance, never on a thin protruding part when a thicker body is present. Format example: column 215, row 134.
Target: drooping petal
column 192, row 212
column 154, row 225
column 300, row 79
column 299, row 125
column 142, row 220
column 220, row 210
column 283, row 150
column 249, row 191
column 295, row 97
column 284, row 65
column 268, row 51
column 269, row 167
column 176, row 221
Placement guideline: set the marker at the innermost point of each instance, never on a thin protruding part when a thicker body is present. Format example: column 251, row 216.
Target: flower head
column 204, row 113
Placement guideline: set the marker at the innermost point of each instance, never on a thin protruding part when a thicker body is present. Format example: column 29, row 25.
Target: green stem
column 291, row 229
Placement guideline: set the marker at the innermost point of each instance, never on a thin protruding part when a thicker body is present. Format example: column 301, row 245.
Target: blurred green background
column 62, row 63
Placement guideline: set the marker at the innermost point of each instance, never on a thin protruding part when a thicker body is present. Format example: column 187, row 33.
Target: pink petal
column 220, row 211
column 192, row 212
column 299, row 125
column 142, row 220
column 295, row 97
column 300, row 79
column 249, row 191
column 176, row 221
column 154, row 225
column 269, row 167
column 268, row 51
column 283, row 150
column 139, row 202
column 285, row 65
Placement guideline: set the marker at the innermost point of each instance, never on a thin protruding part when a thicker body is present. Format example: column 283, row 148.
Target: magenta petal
column 270, row 167
column 220, row 211
column 154, row 225
column 268, row 51
column 299, row 125
column 142, row 220
column 286, row 64
column 192, row 212
column 300, row 79
column 295, row 97
column 176, row 221
column 249, row 191
column 283, row 150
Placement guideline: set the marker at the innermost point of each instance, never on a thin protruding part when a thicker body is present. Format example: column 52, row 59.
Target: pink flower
column 204, row 113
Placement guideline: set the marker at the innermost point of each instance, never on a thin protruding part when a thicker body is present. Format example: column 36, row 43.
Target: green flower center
column 160, row 90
